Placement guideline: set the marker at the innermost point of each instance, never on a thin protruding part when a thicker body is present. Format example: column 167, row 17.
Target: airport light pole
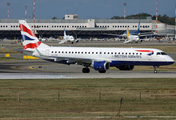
column 175, row 21
column 8, row 4
column 124, row 9
column 25, row 12
column 34, row 14
column 156, row 15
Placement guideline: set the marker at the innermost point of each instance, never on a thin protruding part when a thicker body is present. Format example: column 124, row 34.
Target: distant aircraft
column 68, row 38
column 133, row 32
column 131, row 38
column 133, row 35
column 100, row 59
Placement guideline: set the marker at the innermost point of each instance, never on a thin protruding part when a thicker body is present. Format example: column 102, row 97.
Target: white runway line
column 32, row 76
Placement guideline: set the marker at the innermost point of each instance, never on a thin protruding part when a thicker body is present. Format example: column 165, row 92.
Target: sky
column 86, row 9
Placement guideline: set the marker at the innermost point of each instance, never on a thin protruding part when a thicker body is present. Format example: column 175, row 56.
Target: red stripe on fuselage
column 144, row 51
column 31, row 45
column 25, row 29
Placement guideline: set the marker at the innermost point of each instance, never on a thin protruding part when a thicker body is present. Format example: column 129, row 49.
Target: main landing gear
column 85, row 70
column 155, row 71
column 102, row 71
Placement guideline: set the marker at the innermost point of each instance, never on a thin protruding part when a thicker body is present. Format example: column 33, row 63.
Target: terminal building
column 82, row 28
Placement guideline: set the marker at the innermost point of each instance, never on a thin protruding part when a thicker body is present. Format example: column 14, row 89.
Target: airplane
column 133, row 32
column 100, row 59
column 137, row 32
column 131, row 38
column 68, row 38
column 133, row 35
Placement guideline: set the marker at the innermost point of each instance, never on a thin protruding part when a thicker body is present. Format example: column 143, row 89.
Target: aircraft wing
column 81, row 60
column 114, row 34
column 62, row 41
column 128, row 41
column 152, row 33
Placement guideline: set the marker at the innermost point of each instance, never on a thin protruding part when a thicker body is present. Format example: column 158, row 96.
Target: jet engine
column 100, row 65
column 126, row 67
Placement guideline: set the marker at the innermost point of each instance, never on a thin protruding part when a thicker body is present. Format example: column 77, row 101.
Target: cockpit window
column 158, row 53
column 161, row 53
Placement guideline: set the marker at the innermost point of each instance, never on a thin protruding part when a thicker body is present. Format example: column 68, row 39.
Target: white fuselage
column 115, row 56
column 132, row 38
column 69, row 38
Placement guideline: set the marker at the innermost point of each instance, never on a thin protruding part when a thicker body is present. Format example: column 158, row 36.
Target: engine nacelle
column 100, row 65
column 126, row 67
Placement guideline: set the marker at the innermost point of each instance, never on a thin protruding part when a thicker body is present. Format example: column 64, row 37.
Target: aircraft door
column 149, row 57
column 47, row 52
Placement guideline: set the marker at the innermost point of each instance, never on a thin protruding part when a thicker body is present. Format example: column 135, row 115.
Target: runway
column 40, row 69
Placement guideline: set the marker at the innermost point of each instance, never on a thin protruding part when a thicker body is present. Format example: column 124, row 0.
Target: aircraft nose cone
column 170, row 60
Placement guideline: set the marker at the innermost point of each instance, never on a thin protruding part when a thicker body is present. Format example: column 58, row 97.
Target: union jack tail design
column 30, row 41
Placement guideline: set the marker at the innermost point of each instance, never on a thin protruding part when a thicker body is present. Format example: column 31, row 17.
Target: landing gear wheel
column 155, row 71
column 102, row 71
column 85, row 70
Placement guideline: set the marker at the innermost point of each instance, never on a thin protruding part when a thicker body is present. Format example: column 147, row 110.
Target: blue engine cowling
column 100, row 65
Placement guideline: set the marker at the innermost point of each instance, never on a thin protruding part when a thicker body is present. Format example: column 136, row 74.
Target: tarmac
column 40, row 69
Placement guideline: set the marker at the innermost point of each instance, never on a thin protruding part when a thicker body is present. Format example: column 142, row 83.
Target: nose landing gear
column 155, row 71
